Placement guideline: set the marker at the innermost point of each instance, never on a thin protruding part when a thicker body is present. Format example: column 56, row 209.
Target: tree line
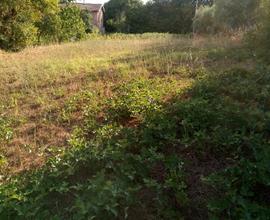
column 132, row 16
column 194, row 16
column 34, row 22
column 178, row 16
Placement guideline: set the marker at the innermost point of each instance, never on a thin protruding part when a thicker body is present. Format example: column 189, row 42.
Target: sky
column 99, row 1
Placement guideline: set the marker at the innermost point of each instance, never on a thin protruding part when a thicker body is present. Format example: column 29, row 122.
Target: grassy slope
column 144, row 120
column 37, row 83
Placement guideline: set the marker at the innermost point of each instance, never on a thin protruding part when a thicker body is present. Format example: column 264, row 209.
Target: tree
column 119, row 15
column 49, row 24
column 87, row 20
column 17, row 24
column 204, row 20
column 173, row 16
column 72, row 26
column 132, row 16
column 29, row 22
column 225, row 15
column 235, row 14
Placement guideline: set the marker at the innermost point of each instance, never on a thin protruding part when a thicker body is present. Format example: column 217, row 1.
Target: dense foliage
column 119, row 14
column 173, row 16
column 17, row 29
column 72, row 25
column 225, row 15
column 37, row 22
column 31, row 22
column 177, row 16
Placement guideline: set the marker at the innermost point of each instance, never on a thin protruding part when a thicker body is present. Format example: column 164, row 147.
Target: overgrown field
column 139, row 127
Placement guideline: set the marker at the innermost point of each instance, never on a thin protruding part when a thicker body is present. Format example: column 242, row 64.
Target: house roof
column 91, row 7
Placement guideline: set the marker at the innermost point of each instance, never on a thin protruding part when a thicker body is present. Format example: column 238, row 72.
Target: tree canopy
column 29, row 22
column 225, row 15
column 177, row 16
column 132, row 16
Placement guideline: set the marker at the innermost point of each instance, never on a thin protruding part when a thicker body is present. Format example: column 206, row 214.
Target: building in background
column 97, row 11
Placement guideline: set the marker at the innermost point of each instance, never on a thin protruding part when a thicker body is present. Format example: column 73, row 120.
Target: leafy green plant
column 138, row 98
column 5, row 130
column 244, row 186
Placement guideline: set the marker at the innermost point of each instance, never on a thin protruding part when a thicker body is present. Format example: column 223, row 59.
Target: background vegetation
column 27, row 23
column 178, row 16
column 132, row 16
column 225, row 16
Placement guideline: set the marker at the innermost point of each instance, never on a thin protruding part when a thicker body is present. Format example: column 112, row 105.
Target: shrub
column 49, row 28
column 72, row 25
column 235, row 14
column 87, row 20
column 243, row 129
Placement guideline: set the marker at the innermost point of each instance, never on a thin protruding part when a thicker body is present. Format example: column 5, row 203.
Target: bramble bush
column 138, row 98
column 244, row 185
